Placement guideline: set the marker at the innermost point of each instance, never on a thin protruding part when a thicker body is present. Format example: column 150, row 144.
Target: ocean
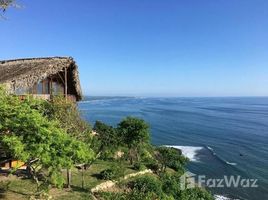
column 222, row 137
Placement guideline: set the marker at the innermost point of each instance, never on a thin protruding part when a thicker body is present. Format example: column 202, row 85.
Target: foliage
column 113, row 196
column 140, row 195
column 24, row 189
column 146, row 185
column 171, row 187
column 107, row 174
column 4, row 4
column 170, row 157
column 114, row 172
column 150, row 161
column 29, row 136
column 131, row 135
column 139, row 166
column 134, row 133
column 66, row 112
column 50, row 137
column 195, row 193
column 170, row 184
column 133, row 195
column 108, row 139
column 153, row 165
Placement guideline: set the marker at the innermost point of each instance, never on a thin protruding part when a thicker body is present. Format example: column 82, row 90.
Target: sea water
column 221, row 136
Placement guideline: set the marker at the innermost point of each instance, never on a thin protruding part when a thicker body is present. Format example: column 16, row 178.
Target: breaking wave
column 219, row 158
column 188, row 151
column 220, row 197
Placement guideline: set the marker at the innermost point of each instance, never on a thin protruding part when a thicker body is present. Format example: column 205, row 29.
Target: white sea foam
column 230, row 163
column 188, row 151
column 210, row 148
column 219, row 197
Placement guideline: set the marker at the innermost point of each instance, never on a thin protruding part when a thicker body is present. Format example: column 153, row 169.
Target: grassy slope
column 20, row 189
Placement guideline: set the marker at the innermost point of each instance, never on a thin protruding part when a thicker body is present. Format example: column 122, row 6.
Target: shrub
column 146, row 185
column 139, row 166
column 112, row 196
column 152, row 164
column 134, row 195
column 170, row 184
column 195, row 193
column 140, row 195
column 107, row 174
column 114, row 172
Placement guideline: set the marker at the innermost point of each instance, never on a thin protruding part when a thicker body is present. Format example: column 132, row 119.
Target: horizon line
column 160, row 96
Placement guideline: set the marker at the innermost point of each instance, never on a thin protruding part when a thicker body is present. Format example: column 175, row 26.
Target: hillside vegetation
column 66, row 157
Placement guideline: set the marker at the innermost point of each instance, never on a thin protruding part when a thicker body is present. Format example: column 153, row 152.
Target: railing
column 47, row 97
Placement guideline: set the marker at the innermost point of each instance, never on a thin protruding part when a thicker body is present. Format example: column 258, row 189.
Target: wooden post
column 83, row 179
column 69, row 177
column 10, row 163
column 69, row 174
column 50, row 87
column 65, row 84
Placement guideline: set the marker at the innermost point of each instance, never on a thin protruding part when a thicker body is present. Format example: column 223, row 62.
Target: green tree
column 67, row 113
column 135, row 134
column 108, row 139
column 27, row 135
column 170, row 157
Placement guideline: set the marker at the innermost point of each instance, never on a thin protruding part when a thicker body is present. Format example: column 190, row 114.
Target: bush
column 195, row 193
column 170, row 184
column 134, row 195
column 171, row 187
column 146, row 185
column 112, row 196
column 114, row 172
column 139, row 166
column 152, row 164
column 140, row 195
column 107, row 174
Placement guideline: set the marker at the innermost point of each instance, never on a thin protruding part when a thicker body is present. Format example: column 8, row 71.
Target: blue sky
column 148, row 47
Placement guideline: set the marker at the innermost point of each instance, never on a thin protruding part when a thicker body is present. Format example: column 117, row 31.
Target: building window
column 39, row 88
column 46, row 88
column 21, row 91
column 57, row 88
column 42, row 87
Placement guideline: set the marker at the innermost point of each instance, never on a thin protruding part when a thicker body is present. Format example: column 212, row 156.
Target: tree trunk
column 69, row 178
column 83, row 179
column 32, row 174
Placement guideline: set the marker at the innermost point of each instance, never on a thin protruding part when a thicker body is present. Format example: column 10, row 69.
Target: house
column 41, row 77
column 9, row 163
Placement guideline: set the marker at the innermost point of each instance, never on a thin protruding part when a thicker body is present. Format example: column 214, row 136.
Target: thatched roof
column 26, row 72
